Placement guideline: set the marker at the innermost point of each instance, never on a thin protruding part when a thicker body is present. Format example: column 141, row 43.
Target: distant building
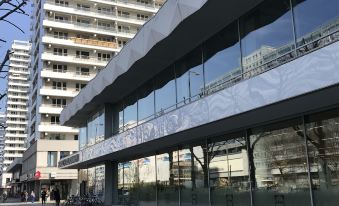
column 16, row 104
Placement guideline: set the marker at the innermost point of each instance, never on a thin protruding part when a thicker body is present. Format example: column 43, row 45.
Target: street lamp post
column 189, row 82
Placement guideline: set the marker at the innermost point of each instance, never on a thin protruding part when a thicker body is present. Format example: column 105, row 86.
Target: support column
column 108, row 121
column 111, row 183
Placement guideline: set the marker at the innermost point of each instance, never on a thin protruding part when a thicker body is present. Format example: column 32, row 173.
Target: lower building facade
column 241, row 112
column 40, row 171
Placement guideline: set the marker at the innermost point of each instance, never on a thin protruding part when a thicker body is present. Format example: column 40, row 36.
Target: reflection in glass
column 168, row 179
column 146, row 103
column 130, row 112
column 222, row 59
column 82, row 137
column 189, row 74
column 121, row 118
column 91, row 180
column 165, row 98
column 193, row 173
column 280, row 165
column 323, row 147
column 228, row 172
column 121, row 190
column 131, row 183
column 266, row 33
column 95, row 128
column 314, row 19
column 100, row 181
column 147, row 181
column 82, row 180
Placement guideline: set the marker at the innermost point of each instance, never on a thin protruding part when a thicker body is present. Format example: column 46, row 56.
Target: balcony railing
column 81, row 57
column 133, row 3
column 93, row 11
column 94, row 42
column 95, row 27
column 53, row 105
column 71, row 73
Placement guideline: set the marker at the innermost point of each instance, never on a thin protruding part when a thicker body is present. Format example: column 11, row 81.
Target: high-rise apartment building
column 2, row 141
column 72, row 41
column 16, row 105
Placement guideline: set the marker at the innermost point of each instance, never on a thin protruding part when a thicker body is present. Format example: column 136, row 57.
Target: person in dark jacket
column 57, row 197
column 43, row 197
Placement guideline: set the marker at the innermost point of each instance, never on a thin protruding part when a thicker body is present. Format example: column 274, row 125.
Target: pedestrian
column 33, row 196
column 47, row 194
column 43, row 197
column 57, row 197
column 26, row 196
column 4, row 196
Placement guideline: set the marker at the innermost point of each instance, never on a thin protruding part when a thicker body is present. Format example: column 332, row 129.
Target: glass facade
column 280, row 165
column 92, row 181
column 249, row 46
column 314, row 19
column 283, row 163
column 323, row 152
column 95, row 129
column 294, row 162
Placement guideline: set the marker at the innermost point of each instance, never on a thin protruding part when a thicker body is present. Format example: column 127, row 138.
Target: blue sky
column 10, row 33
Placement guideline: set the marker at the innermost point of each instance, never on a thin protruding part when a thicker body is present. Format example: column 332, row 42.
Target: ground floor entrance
column 65, row 187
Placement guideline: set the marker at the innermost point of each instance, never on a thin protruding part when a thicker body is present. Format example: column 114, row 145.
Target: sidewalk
column 16, row 201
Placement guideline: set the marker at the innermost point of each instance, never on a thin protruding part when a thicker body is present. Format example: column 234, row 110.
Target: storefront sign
column 69, row 160
column 37, row 175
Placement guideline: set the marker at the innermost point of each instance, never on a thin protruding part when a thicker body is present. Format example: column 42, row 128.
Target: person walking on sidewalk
column 57, row 197
column 33, row 196
column 26, row 196
column 4, row 196
column 43, row 197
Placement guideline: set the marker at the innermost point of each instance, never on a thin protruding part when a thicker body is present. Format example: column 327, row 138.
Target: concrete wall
column 36, row 159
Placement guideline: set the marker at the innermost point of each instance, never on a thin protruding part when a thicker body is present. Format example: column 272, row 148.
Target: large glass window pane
column 130, row 112
column 83, row 178
column 280, row 165
column 64, row 154
column 266, row 33
column 146, row 103
column 131, row 183
column 228, row 171
column 95, row 128
column 100, row 127
column 193, row 174
column 100, row 181
column 315, row 18
column 52, row 159
column 121, row 190
column 147, row 181
column 121, row 118
column 222, row 59
column 118, row 118
column 189, row 74
column 168, row 179
column 323, row 146
column 91, row 180
column 165, row 99
column 82, row 137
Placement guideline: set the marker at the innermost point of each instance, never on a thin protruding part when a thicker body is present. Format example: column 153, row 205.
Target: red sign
column 37, row 174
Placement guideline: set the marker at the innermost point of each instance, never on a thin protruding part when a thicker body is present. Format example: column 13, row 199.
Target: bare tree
column 7, row 8
column 3, row 71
